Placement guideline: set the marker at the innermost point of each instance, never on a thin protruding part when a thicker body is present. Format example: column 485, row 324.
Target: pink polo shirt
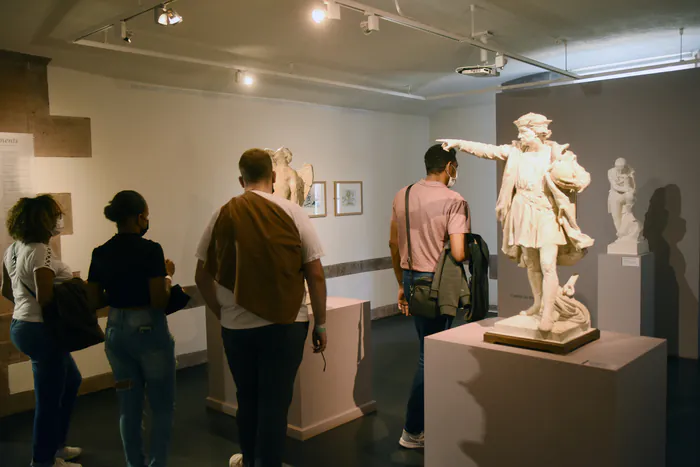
column 436, row 213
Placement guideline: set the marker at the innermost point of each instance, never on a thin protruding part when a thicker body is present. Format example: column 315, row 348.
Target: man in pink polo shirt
column 436, row 215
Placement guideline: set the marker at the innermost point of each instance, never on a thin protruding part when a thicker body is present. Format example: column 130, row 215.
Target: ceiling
column 299, row 58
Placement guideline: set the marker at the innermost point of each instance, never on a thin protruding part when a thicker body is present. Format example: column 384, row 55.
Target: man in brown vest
column 252, row 262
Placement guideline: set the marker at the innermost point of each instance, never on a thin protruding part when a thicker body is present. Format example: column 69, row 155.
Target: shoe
column 236, row 460
column 68, row 453
column 62, row 463
column 410, row 441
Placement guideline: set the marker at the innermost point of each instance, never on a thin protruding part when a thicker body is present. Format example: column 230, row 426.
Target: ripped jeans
column 141, row 352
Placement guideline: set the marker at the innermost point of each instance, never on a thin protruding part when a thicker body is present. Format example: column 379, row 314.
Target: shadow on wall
column 664, row 229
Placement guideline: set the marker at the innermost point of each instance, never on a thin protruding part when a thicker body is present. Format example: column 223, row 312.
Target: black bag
column 178, row 300
column 420, row 301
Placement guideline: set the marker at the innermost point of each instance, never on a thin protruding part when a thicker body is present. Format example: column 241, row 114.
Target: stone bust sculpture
column 621, row 200
column 291, row 184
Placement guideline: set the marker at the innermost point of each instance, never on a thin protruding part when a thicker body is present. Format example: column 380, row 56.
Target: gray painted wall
column 653, row 122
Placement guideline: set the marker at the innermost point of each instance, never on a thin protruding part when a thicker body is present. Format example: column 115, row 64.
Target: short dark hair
column 436, row 159
column 31, row 220
column 255, row 165
column 125, row 205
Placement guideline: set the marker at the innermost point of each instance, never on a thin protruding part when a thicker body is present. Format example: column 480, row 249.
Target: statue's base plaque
column 522, row 331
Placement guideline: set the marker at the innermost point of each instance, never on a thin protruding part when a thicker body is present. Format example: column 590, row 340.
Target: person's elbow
column 313, row 272
column 459, row 256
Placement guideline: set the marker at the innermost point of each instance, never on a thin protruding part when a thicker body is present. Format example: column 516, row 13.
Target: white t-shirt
column 22, row 260
column 237, row 317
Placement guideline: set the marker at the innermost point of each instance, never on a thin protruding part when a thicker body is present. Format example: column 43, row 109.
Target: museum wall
column 477, row 178
column 651, row 121
column 180, row 150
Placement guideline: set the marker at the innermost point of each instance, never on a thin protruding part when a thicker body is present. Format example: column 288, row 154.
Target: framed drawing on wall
column 348, row 198
column 315, row 202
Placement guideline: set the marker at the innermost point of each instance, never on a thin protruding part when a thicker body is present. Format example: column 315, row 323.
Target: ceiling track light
column 244, row 78
column 166, row 16
column 371, row 24
column 331, row 10
column 126, row 33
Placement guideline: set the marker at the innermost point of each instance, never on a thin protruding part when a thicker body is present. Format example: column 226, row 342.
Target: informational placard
column 16, row 159
column 631, row 262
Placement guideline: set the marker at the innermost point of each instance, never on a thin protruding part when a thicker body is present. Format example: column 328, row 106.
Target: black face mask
column 145, row 229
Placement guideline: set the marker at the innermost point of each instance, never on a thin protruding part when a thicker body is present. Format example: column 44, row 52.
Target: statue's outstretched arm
column 482, row 150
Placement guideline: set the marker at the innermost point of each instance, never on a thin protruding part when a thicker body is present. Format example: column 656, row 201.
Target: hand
column 403, row 303
column 319, row 339
column 568, row 290
column 448, row 144
column 169, row 267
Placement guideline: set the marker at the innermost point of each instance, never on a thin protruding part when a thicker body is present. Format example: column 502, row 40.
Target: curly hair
column 31, row 220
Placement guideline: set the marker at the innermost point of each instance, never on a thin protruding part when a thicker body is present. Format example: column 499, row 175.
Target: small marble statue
column 291, row 184
column 537, row 208
column 623, row 188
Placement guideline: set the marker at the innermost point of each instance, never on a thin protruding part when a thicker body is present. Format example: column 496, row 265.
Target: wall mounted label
column 630, row 262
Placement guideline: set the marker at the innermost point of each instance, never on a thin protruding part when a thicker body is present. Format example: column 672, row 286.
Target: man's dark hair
column 31, row 220
column 255, row 165
column 436, row 159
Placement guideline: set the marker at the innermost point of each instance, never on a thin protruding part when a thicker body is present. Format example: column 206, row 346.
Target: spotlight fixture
column 371, row 25
column 125, row 32
column 331, row 10
column 166, row 16
column 244, row 78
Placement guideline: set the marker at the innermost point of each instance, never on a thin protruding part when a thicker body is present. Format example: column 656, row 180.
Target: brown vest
column 255, row 252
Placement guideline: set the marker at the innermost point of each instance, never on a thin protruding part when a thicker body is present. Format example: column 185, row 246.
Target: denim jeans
column 264, row 363
column 141, row 352
column 56, row 383
column 415, row 411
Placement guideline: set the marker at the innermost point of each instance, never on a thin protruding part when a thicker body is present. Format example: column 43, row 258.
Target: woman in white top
column 30, row 271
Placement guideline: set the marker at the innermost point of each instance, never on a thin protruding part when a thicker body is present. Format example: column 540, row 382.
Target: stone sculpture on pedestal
column 623, row 188
column 537, row 208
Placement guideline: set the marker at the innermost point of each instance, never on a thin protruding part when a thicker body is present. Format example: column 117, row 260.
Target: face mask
column 145, row 229
column 453, row 180
column 58, row 228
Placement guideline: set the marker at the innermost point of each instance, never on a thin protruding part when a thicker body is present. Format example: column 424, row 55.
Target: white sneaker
column 61, row 463
column 68, row 453
column 236, row 460
column 410, row 441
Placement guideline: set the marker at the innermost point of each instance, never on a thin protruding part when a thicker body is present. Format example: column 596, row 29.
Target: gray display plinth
column 489, row 405
column 626, row 294
column 325, row 396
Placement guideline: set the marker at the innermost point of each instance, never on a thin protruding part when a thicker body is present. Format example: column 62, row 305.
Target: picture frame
column 315, row 203
column 347, row 198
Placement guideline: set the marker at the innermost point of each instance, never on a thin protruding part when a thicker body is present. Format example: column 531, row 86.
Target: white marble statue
column 537, row 208
column 291, row 184
column 623, row 188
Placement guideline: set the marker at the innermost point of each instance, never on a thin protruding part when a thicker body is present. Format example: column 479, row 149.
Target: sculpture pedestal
column 322, row 400
column 626, row 294
column 489, row 405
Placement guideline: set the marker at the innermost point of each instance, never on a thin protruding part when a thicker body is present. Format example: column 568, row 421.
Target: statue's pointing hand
column 449, row 144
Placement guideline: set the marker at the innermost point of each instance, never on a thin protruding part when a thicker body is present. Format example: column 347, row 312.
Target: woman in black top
column 134, row 279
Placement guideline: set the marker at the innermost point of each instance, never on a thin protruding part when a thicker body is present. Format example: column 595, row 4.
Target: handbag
column 177, row 301
column 420, row 301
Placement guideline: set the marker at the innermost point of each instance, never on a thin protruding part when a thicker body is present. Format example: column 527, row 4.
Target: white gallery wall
column 477, row 177
column 180, row 150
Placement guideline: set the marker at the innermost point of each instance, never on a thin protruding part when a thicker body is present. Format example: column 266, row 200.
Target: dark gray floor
column 206, row 438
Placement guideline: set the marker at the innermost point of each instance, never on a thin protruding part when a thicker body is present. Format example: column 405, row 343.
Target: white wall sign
column 16, row 157
column 631, row 262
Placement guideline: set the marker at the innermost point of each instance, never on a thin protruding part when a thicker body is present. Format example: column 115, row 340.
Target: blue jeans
column 56, row 383
column 264, row 363
column 141, row 352
column 415, row 411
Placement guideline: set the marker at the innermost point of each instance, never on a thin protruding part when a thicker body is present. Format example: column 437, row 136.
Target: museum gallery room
column 431, row 233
